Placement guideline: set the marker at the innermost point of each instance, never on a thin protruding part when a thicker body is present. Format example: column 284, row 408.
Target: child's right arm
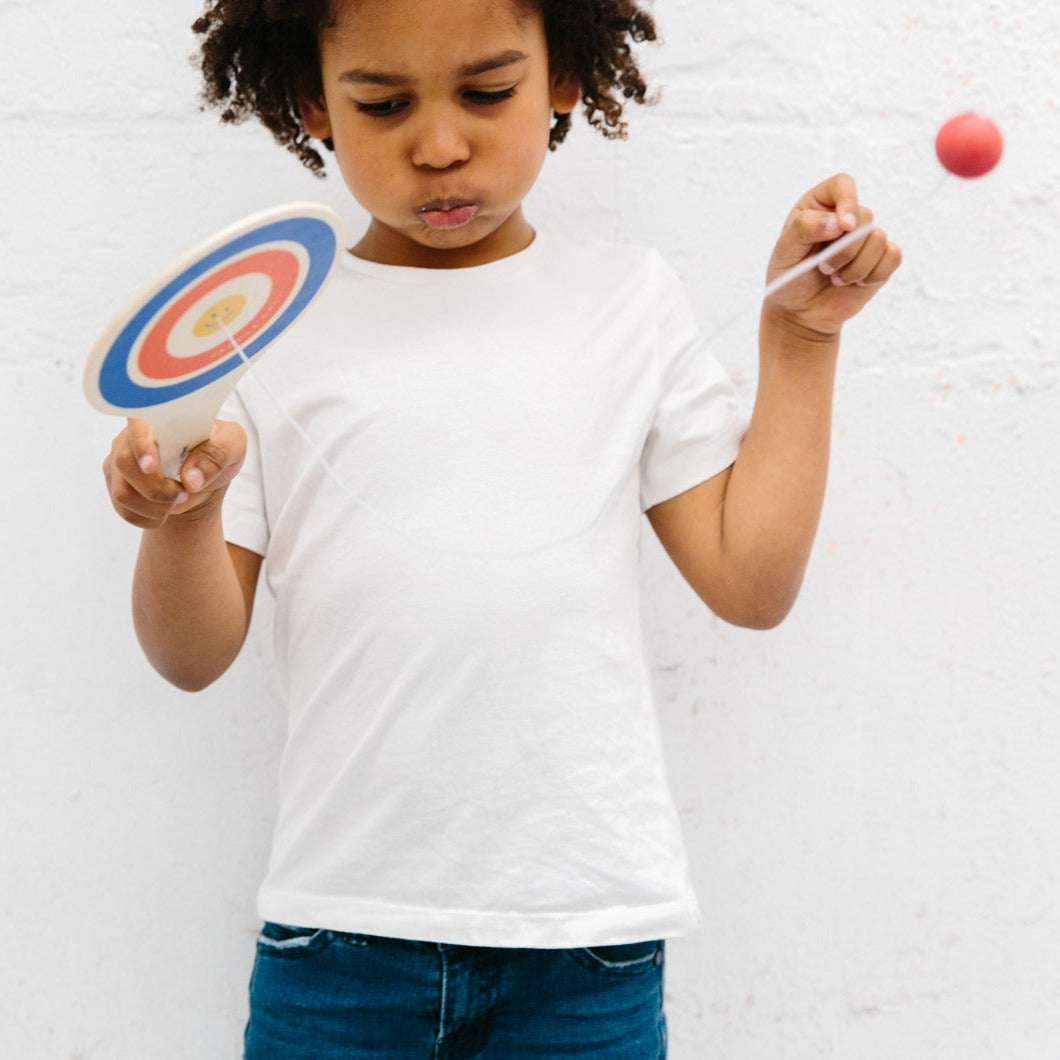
column 192, row 591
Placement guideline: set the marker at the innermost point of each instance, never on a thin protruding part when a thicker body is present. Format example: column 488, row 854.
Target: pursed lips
column 448, row 213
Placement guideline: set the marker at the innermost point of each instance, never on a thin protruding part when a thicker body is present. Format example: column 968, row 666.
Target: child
column 476, row 853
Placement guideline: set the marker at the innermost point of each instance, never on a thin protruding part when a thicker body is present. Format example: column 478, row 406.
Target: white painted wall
column 871, row 793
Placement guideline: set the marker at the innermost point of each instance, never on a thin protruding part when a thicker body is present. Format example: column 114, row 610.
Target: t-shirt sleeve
column 243, row 512
column 698, row 425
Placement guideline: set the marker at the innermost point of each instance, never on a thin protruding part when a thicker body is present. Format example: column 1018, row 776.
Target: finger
column 146, row 504
column 143, row 446
column 126, row 460
column 815, row 226
column 139, row 498
column 848, row 251
column 840, row 195
column 805, row 232
column 884, row 269
column 868, row 256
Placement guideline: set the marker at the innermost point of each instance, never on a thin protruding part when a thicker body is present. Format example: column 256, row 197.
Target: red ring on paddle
column 154, row 360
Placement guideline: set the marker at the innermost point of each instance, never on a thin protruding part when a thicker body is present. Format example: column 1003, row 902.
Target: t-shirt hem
column 612, row 926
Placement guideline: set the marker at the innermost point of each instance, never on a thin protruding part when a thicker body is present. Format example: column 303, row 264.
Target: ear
column 314, row 115
column 566, row 90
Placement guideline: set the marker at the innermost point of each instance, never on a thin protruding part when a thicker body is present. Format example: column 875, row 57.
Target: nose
column 439, row 141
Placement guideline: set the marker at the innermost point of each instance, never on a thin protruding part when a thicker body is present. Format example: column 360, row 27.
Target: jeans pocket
column 631, row 958
column 286, row 940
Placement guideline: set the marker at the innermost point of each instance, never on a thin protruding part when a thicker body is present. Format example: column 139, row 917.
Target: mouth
column 447, row 213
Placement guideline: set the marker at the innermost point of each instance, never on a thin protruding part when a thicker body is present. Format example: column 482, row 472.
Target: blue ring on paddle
column 321, row 244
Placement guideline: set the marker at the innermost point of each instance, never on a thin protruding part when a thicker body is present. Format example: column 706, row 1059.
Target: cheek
column 525, row 144
column 367, row 172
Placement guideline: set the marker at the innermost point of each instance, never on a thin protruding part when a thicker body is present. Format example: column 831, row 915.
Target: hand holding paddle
column 143, row 496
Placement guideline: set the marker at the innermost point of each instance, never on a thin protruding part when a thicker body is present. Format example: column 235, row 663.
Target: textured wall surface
column 871, row 793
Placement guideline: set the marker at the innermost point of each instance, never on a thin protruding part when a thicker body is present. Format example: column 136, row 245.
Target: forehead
column 429, row 35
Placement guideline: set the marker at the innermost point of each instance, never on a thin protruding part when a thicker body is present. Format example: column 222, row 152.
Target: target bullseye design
column 171, row 348
column 219, row 313
column 173, row 341
column 165, row 349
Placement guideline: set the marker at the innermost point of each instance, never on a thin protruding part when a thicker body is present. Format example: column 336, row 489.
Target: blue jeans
column 330, row 995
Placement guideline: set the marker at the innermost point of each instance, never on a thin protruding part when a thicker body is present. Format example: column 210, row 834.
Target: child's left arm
column 742, row 539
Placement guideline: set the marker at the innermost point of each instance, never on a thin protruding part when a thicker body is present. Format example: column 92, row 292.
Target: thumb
column 215, row 462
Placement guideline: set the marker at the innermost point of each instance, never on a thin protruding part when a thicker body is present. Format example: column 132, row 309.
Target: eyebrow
column 388, row 80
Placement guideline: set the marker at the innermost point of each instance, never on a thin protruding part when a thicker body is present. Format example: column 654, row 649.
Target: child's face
column 440, row 113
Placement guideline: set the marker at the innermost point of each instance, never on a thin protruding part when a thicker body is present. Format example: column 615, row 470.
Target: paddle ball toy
column 175, row 351
column 969, row 145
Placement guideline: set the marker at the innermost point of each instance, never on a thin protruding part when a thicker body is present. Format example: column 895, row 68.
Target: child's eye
column 383, row 109
column 477, row 96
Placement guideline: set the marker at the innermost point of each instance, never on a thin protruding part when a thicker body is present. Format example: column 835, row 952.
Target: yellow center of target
column 224, row 311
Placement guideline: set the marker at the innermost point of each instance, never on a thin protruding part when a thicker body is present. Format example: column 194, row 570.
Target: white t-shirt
column 473, row 754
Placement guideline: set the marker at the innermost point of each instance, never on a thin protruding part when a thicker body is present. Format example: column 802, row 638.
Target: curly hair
column 259, row 56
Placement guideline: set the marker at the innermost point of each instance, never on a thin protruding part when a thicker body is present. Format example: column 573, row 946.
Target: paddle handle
column 180, row 426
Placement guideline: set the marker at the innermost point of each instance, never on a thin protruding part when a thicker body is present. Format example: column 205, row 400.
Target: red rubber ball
column 969, row 145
